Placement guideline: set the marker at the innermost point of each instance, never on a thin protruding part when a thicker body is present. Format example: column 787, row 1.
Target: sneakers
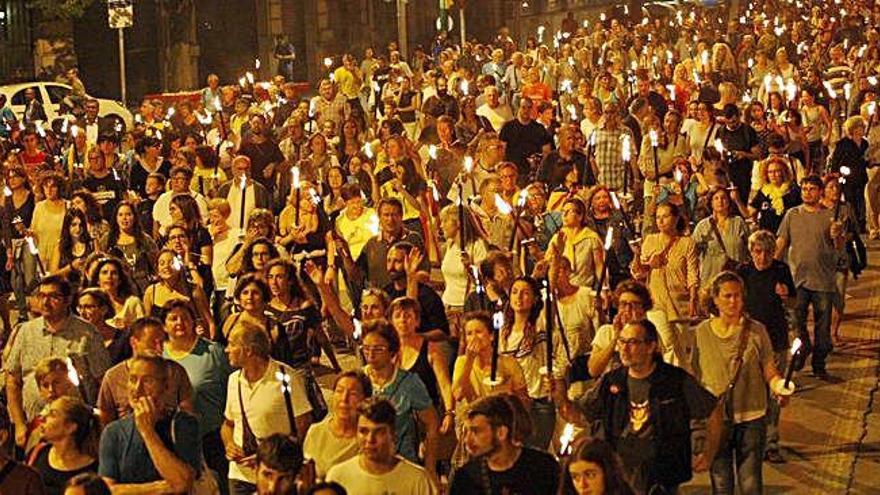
column 773, row 456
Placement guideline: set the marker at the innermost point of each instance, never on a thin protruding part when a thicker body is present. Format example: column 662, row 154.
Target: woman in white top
column 110, row 275
column 456, row 264
column 334, row 439
column 701, row 134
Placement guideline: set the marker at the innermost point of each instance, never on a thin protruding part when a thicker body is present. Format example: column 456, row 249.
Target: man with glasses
column 255, row 194
column 645, row 408
column 57, row 333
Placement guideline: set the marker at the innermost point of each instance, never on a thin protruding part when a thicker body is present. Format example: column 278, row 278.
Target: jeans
column 742, row 452
column 821, row 302
column 780, row 359
column 543, row 413
column 25, row 272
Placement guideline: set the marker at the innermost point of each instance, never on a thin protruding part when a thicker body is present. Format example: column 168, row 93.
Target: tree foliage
column 61, row 9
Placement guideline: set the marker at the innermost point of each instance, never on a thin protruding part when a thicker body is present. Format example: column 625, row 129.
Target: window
column 57, row 93
column 19, row 99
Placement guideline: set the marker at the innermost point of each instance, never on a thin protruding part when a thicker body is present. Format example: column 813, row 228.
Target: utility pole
column 401, row 29
column 461, row 25
column 120, row 15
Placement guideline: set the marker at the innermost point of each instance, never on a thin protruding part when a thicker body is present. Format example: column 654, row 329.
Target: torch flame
column 72, row 375
column 502, row 205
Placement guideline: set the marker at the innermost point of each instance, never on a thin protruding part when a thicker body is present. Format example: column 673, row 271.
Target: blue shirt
column 123, row 455
column 208, row 370
column 409, row 396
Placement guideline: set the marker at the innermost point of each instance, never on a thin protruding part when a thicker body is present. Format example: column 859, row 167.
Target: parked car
column 52, row 94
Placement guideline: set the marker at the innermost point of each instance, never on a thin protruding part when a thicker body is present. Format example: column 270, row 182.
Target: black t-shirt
column 53, row 479
column 261, row 155
column 636, row 443
column 522, row 141
column 108, row 191
column 762, row 302
column 533, row 473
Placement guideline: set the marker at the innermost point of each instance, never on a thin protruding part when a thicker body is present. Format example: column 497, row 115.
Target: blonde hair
column 851, row 123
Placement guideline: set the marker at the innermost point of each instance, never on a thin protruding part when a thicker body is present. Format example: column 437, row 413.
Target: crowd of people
column 583, row 262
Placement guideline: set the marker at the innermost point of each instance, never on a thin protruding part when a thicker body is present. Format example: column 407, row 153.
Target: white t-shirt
column 455, row 274
column 326, row 449
column 497, row 116
column 577, row 312
column 265, row 408
column 405, row 479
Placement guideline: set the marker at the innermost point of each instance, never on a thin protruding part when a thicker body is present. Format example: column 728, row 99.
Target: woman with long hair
column 19, row 264
column 469, row 123
column 49, row 215
column 319, row 161
column 350, row 142
column 70, row 433
column 307, row 233
column 593, row 468
column 73, row 247
column 702, row 133
column 832, row 192
column 406, row 184
column 579, row 244
column 94, row 306
column 174, row 285
column 817, row 129
column 185, row 211
column 333, row 201
column 296, row 312
column 84, row 201
column 778, row 194
column 111, row 276
column 721, row 237
column 523, row 337
column 127, row 241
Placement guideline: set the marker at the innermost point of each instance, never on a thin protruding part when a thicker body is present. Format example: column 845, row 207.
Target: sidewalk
column 830, row 431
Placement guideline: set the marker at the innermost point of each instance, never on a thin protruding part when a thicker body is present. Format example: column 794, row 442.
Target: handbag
column 729, row 263
column 725, row 399
column 248, row 439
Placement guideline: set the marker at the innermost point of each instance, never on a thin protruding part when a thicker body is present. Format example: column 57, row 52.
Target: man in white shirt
column 495, row 112
column 256, row 406
column 180, row 180
column 378, row 470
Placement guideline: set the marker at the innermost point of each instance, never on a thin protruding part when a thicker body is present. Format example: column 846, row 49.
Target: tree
column 60, row 9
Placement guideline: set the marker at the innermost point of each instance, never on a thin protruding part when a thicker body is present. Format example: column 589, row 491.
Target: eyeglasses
column 632, row 342
column 50, row 295
column 374, row 349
